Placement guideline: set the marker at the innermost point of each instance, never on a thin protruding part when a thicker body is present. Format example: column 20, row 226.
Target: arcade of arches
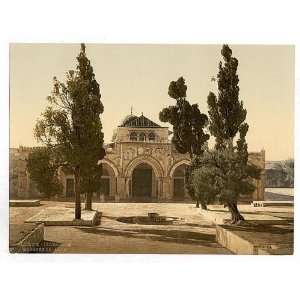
column 142, row 183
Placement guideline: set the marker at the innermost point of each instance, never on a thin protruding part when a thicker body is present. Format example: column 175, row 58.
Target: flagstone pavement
column 191, row 235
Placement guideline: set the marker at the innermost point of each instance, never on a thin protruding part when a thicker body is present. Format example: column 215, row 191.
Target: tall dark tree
column 42, row 168
column 188, row 125
column 91, row 182
column 227, row 123
column 71, row 124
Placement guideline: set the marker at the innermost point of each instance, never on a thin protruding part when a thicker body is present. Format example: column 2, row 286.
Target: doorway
column 142, row 181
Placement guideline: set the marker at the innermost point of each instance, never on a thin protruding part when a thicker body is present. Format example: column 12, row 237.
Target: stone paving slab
column 60, row 216
column 23, row 203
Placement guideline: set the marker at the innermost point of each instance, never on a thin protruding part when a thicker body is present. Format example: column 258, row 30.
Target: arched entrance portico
column 178, row 178
column 109, row 177
column 143, row 178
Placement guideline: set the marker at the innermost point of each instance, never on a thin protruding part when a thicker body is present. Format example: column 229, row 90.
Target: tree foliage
column 187, row 120
column 42, row 168
column 188, row 126
column 71, row 124
column 222, row 176
column 227, row 114
column 224, row 173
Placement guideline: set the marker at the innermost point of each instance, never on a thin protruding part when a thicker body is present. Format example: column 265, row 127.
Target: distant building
column 141, row 162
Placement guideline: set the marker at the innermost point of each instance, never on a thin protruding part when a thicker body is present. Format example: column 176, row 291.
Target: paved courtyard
column 192, row 235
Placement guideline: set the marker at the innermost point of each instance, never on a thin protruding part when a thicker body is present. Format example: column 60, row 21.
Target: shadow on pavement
column 172, row 236
column 271, row 227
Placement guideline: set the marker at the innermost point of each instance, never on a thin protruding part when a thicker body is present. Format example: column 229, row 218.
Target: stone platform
column 61, row 216
column 266, row 230
column 257, row 238
column 24, row 203
column 22, row 237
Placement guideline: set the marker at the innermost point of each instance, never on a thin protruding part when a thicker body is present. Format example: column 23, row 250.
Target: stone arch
column 157, row 168
column 177, row 184
column 177, row 164
column 109, row 179
column 111, row 164
column 156, row 181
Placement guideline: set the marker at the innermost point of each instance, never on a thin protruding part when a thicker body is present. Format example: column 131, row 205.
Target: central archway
column 144, row 163
column 143, row 178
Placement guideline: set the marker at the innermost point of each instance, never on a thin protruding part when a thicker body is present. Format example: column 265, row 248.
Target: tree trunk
column 236, row 217
column 199, row 202
column 203, row 206
column 88, row 201
column 77, row 193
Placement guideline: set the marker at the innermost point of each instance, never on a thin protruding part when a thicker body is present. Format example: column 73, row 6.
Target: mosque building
column 140, row 163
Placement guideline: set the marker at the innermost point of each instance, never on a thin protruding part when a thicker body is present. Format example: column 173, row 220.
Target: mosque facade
column 140, row 163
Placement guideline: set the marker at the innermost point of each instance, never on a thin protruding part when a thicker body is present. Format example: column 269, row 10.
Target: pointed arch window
column 142, row 136
column 133, row 136
column 151, row 136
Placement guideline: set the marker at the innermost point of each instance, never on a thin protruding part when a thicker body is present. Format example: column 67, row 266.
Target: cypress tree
column 233, row 173
column 71, row 124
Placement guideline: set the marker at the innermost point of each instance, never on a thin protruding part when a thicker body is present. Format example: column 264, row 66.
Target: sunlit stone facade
column 140, row 163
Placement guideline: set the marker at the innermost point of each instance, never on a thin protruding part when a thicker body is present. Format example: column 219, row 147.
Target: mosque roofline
column 139, row 122
column 121, row 126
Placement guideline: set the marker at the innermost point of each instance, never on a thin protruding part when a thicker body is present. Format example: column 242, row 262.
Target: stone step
column 24, row 203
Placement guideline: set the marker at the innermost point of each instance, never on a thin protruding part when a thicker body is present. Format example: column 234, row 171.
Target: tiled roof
column 142, row 121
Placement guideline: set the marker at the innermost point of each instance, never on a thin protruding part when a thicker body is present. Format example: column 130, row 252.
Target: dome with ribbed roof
column 127, row 119
column 134, row 121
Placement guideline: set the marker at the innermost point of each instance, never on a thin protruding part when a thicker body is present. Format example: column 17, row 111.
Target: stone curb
column 24, row 203
column 53, row 221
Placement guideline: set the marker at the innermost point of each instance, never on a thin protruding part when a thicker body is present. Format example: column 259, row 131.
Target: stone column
column 167, row 190
column 261, row 187
column 263, row 176
column 159, row 187
column 121, row 186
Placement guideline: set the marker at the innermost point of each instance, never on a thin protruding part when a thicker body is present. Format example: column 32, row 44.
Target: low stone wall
column 233, row 242
column 238, row 244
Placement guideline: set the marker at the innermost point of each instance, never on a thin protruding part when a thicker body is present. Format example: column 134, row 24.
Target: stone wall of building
column 20, row 185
